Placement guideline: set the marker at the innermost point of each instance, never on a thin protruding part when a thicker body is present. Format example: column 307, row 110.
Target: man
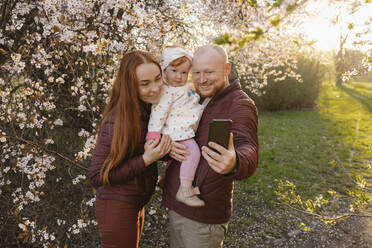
column 193, row 227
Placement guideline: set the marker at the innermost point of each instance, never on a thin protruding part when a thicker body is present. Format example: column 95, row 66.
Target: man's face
column 209, row 73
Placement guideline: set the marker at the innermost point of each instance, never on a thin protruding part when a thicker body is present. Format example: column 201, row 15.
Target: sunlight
column 326, row 34
column 321, row 31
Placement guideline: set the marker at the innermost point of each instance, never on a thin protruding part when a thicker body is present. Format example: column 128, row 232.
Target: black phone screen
column 219, row 131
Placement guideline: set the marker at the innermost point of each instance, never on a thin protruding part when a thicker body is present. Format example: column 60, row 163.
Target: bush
column 57, row 61
column 291, row 93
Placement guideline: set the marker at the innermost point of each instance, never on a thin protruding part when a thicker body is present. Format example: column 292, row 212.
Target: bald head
column 212, row 49
column 210, row 70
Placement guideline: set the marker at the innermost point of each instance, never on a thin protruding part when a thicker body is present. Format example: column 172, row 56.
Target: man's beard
column 212, row 93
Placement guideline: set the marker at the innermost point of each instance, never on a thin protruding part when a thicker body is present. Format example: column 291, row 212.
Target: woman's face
column 149, row 82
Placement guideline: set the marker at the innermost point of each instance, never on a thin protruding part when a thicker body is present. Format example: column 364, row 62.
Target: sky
column 320, row 28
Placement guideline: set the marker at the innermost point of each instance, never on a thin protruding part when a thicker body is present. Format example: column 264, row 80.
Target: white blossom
column 58, row 122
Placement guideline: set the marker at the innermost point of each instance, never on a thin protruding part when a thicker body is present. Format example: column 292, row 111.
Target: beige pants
column 186, row 233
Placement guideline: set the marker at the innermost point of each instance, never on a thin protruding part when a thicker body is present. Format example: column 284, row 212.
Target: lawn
column 313, row 148
column 318, row 150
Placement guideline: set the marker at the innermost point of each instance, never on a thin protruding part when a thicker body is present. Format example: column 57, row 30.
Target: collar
column 229, row 88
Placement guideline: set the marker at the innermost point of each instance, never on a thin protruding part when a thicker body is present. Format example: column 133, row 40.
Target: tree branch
column 80, row 166
column 326, row 217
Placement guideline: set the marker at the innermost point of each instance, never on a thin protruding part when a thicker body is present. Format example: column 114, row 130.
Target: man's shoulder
column 239, row 97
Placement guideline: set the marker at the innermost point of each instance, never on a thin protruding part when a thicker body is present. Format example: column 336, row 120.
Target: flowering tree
column 57, row 62
column 258, row 41
column 346, row 31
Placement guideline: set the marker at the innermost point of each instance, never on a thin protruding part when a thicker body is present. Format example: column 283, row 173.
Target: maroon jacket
column 216, row 189
column 131, row 181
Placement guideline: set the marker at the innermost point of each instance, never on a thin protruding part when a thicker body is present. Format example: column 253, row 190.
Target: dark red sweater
column 216, row 190
column 131, row 181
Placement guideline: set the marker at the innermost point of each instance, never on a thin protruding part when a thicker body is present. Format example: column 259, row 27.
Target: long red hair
column 124, row 102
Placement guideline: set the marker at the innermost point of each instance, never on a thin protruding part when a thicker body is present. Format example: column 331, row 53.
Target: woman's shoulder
column 110, row 118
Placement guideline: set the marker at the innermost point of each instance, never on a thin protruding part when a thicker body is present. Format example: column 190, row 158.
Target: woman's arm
column 128, row 169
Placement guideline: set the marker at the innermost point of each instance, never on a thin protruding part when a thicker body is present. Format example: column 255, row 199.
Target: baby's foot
column 188, row 196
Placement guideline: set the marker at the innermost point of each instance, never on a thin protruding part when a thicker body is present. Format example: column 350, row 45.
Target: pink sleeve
column 153, row 135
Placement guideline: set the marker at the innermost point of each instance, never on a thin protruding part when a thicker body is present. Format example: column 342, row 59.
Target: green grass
column 313, row 148
column 318, row 150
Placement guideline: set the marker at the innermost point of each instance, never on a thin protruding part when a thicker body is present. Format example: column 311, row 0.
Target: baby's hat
column 173, row 53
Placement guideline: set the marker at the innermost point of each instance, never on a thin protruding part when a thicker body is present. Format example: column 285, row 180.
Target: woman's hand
column 178, row 151
column 156, row 149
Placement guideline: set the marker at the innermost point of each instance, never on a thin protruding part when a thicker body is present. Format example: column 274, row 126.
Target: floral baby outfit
column 177, row 114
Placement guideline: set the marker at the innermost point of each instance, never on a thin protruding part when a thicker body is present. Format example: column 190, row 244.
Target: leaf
column 256, row 34
column 331, row 192
column 304, row 227
column 224, row 39
column 291, row 8
column 252, row 3
column 278, row 3
column 275, row 21
column 329, row 222
column 3, row 51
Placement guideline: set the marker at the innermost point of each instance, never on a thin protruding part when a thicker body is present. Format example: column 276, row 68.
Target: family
column 154, row 114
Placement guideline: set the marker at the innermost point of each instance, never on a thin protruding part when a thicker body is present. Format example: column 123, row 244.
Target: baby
column 178, row 114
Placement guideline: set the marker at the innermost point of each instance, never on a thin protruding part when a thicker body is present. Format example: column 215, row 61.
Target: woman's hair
column 125, row 103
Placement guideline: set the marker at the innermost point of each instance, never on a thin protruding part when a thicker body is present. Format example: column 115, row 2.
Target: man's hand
column 178, row 151
column 222, row 162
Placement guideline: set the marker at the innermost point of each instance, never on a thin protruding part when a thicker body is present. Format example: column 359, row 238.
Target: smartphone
column 219, row 131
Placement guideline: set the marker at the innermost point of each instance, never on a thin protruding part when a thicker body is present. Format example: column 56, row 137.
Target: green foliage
column 224, row 39
column 291, row 8
column 255, row 34
column 242, row 42
column 304, row 227
column 252, row 3
column 275, row 21
column 291, row 94
column 332, row 203
column 304, row 155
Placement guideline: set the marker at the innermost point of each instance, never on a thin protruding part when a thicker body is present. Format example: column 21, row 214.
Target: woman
column 123, row 167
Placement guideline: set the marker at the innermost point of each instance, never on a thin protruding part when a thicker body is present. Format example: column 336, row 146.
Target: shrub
column 291, row 93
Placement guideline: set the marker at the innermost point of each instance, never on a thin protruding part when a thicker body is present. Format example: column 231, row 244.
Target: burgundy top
column 216, row 189
column 131, row 181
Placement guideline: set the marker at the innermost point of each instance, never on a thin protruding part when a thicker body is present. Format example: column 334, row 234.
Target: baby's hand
column 149, row 143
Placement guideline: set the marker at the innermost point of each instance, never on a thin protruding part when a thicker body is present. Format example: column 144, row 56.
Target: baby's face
column 177, row 75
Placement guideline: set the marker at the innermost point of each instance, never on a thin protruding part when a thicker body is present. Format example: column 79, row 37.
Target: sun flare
column 327, row 34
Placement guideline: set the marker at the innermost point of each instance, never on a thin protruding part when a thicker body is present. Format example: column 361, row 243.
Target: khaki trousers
column 186, row 233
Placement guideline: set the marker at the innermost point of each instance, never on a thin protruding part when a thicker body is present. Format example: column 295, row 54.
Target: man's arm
column 241, row 158
column 245, row 129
